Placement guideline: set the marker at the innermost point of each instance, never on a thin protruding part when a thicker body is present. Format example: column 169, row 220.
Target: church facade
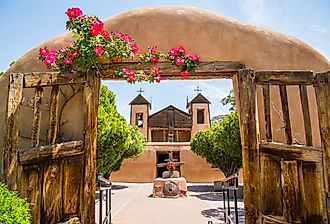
column 168, row 130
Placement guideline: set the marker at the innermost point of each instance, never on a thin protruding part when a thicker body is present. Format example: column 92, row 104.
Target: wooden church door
column 58, row 177
column 284, row 182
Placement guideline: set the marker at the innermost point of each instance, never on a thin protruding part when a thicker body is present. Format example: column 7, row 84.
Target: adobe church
column 168, row 130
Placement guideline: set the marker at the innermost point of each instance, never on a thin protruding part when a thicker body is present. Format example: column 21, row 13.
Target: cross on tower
column 140, row 91
column 198, row 89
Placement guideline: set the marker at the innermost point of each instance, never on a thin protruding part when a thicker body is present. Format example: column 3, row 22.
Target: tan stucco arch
column 212, row 36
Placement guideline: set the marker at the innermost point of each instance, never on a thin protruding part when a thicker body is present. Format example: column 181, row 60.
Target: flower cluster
column 94, row 45
column 170, row 166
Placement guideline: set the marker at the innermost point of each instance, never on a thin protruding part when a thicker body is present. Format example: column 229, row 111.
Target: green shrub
column 13, row 209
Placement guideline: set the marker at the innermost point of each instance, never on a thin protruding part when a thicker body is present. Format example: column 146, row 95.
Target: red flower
column 98, row 50
column 105, row 34
column 68, row 61
column 194, row 57
column 184, row 73
column 178, row 61
column 73, row 13
column 97, row 27
column 43, row 51
column 156, row 70
column 74, row 54
column 181, row 49
column 153, row 50
column 116, row 59
column 154, row 60
column 51, row 57
column 158, row 78
column 134, row 48
column 173, row 51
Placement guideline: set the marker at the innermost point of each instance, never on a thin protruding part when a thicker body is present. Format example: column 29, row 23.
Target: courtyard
column 131, row 203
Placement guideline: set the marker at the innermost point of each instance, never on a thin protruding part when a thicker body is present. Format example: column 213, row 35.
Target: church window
column 200, row 116
column 139, row 120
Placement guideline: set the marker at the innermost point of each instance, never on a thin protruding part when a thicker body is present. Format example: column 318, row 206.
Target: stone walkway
column 131, row 204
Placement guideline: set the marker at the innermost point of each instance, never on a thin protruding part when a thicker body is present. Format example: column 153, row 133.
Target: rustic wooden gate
column 58, row 178
column 284, row 182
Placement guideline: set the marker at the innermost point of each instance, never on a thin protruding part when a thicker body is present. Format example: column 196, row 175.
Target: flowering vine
column 93, row 45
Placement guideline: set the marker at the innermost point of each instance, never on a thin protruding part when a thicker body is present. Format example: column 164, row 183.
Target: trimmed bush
column 13, row 209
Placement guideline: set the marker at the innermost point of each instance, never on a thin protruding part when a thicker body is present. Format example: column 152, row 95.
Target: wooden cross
column 198, row 90
column 140, row 91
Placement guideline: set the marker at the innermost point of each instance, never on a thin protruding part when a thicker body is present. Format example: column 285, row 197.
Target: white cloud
column 220, row 112
column 255, row 11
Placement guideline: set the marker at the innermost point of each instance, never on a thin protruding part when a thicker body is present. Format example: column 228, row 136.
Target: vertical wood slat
column 306, row 114
column 52, row 192
column 10, row 142
column 286, row 115
column 53, row 115
column 322, row 90
column 91, row 97
column 270, row 186
column 37, row 111
column 290, row 191
column 266, row 95
column 250, row 153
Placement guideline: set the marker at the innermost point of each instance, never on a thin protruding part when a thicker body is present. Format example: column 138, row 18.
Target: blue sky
column 25, row 24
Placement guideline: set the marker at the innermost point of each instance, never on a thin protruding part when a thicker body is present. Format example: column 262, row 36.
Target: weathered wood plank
column 292, row 152
column 52, row 192
column 37, row 111
column 284, row 77
column 286, row 115
column 55, row 151
column 53, row 115
column 10, row 141
column 290, row 191
column 206, row 70
column 270, row 186
column 270, row 219
column 42, row 79
column 91, row 97
column 266, row 95
column 72, row 175
column 306, row 114
column 250, row 154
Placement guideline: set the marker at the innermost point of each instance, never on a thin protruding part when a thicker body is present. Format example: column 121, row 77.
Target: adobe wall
column 212, row 36
column 135, row 109
column 195, row 126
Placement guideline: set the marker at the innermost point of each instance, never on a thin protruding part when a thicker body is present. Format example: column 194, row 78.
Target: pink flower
column 43, row 51
column 184, row 73
column 134, row 48
column 116, row 59
column 181, row 49
column 127, row 38
column 105, row 34
column 156, row 70
column 98, row 50
column 68, row 61
column 97, row 27
column 173, row 52
column 154, row 60
column 158, row 78
column 120, row 35
column 63, row 49
column 48, row 61
column 153, row 49
column 51, row 57
column 178, row 61
column 142, row 76
column 197, row 57
column 73, row 13
column 74, row 54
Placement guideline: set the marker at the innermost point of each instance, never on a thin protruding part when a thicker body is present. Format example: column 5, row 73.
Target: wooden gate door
column 58, row 178
column 284, row 182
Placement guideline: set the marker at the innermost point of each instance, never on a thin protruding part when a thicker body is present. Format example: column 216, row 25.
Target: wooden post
column 37, row 110
column 10, row 142
column 286, row 115
column 306, row 114
column 250, row 152
column 266, row 95
column 53, row 115
column 91, row 99
column 322, row 90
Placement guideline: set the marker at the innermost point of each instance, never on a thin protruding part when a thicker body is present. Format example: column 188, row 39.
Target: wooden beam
column 91, row 100
column 55, row 151
column 250, row 152
column 52, row 78
column 306, row 114
column 270, row 219
column 286, row 114
column 266, row 94
column 284, row 77
column 206, row 70
column 292, row 152
column 37, row 110
column 53, row 115
column 10, row 142
column 290, row 191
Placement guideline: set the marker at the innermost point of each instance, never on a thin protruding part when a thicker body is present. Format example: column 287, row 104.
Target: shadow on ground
column 200, row 188
column 218, row 214
column 118, row 187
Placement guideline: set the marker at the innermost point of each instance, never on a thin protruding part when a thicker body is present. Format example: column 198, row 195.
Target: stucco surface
column 212, row 36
